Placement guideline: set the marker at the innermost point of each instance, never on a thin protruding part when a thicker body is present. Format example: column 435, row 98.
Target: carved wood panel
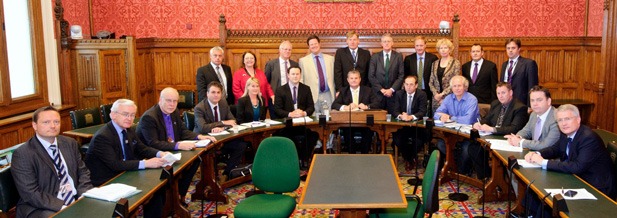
column 88, row 78
column 113, row 75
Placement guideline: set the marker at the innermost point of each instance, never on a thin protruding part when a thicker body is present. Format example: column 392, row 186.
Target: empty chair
column 85, row 118
column 8, row 194
column 189, row 119
column 105, row 111
column 186, row 100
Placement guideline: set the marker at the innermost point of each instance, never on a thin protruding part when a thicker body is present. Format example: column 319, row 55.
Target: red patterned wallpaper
column 479, row 18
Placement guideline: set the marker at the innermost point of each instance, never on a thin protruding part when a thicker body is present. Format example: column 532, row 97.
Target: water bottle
column 325, row 109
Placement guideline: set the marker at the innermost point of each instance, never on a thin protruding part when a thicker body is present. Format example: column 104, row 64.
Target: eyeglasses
column 125, row 114
column 565, row 119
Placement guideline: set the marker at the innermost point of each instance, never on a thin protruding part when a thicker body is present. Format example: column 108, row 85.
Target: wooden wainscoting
column 18, row 129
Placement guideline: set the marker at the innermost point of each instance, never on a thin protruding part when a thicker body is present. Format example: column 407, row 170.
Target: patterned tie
column 355, row 58
column 510, row 72
column 502, row 113
column 216, row 113
column 537, row 131
column 474, row 76
column 322, row 79
column 218, row 75
column 128, row 153
column 409, row 102
column 421, row 73
column 68, row 196
column 295, row 95
column 387, row 69
column 284, row 78
column 568, row 149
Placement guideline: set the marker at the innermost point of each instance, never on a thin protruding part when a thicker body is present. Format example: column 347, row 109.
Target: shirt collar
column 573, row 134
column 421, row 56
column 479, row 61
column 352, row 90
column 46, row 144
column 212, row 105
column 545, row 114
column 515, row 59
column 214, row 65
column 281, row 60
column 320, row 55
column 117, row 127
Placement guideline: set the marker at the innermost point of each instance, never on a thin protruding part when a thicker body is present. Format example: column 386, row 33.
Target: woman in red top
column 247, row 71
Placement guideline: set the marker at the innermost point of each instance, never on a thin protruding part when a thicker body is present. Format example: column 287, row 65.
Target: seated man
column 409, row 106
column 355, row 97
column 48, row 171
column 213, row 115
column 461, row 107
column 116, row 148
column 579, row 151
column 161, row 127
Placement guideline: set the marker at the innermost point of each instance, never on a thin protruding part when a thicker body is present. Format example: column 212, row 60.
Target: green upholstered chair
column 417, row 207
column 105, row 111
column 186, row 100
column 189, row 119
column 612, row 151
column 8, row 194
column 275, row 170
column 85, row 118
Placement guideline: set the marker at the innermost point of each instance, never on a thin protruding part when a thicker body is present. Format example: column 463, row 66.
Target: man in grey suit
column 47, row 169
column 276, row 71
column 541, row 130
column 386, row 73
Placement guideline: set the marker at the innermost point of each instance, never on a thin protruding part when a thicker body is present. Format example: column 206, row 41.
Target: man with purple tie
column 482, row 76
column 318, row 74
column 521, row 73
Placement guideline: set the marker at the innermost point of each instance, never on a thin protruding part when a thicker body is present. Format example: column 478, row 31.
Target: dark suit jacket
column 36, row 178
column 377, row 74
column 152, row 131
column 206, row 74
column 244, row 110
column 486, row 83
column 514, row 120
column 283, row 102
column 525, row 76
column 204, row 117
column 418, row 104
column 343, row 63
column 366, row 96
column 411, row 68
column 273, row 72
column 589, row 160
column 104, row 156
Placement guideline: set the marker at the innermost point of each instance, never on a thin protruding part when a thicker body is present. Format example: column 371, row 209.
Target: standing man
column 482, row 76
column 318, row 74
column 520, row 72
column 419, row 64
column 161, row 127
column 48, row 171
column 351, row 58
column 277, row 69
column 410, row 105
column 215, row 71
column 386, row 73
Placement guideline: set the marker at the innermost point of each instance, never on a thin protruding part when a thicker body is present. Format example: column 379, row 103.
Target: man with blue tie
column 520, row 72
column 410, row 105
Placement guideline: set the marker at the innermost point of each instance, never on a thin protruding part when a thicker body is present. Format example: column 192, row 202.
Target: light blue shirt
column 142, row 163
column 464, row 111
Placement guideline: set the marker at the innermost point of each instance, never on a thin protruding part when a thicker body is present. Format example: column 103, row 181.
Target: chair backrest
column 275, row 167
column 85, row 117
column 8, row 192
column 430, row 184
column 105, row 111
column 186, row 100
column 612, row 151
column 189, row 119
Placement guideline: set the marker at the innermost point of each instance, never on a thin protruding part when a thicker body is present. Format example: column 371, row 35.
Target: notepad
column 112, row 192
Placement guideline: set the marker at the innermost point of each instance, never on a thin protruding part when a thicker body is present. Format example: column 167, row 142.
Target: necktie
column 387, row 68
column 409, row 99
column 322, row 79
column 474, row 76
column 169, row 128
column 295, row 95
column 421, row 73
column 510, row 71
column 218, row 75
column 537, row 131
column 128, row 153
column 68, row 196
column 284, row 78
column 354, row 96
column 568, row 149
column 355, row 58
column 502, row 113
column 216, row 113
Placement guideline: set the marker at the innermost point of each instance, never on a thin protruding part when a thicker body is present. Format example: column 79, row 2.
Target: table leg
column 173, row 198
column 208, row 179
column 494, row 189
column 449, row 167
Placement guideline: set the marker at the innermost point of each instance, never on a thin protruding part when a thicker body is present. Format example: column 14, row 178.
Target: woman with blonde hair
column 251, row 106
column 444, row 69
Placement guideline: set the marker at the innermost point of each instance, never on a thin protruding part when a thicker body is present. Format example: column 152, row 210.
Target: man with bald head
column 161, row 127
column 276, row 71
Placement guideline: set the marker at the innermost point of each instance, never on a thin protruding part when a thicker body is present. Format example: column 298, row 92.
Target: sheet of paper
column 580, row 195
column 219, row 133
column 170, row 159
column 254, row 124
column 273, row 122
column 203, row 143
column 525, row 164
column 112, row 192
column 302, row 120
column 503, row 145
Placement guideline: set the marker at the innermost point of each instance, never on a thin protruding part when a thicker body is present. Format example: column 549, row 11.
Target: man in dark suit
column 276, row 71
column 161, row 127
column 410, row 105
column 37, row 164
column 116, row 148
column 419, row 64
column 579, row 151
column 386, row 73
column 354, row 97
column 482, row 76
column 215, row 71
column 348, row 59
column 520, row 72
column 213, row 115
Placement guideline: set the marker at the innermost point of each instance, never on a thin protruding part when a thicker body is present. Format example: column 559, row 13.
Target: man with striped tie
column 47, row 169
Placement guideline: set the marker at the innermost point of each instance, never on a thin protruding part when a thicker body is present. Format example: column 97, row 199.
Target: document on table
column 254, row 124
column 503, row 145
column 302, row 120
column 200, row 143
column 273, row 122
column 525, row 164
column 581, row 193
column 219, row 133
column 170, row 159
column 112, row 192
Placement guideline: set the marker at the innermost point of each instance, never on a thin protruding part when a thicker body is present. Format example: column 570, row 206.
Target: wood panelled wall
column 18, row 129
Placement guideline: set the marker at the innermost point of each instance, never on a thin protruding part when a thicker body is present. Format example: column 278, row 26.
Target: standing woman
column 251, row 106
column 248, row 70
column 444, row 69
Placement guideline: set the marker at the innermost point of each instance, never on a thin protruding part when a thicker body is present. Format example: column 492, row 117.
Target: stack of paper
column 112, row 192
column 302, row 120
column 503, row 145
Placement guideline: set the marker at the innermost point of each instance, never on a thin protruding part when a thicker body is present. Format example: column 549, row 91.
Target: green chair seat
column 266, row 205
column 412, row 204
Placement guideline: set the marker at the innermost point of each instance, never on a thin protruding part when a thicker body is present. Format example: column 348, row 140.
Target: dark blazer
column 273, row 71
column 418, row 104
column 589, row 160
column 525, row 76
column 244, row 110
column 377, row 74
column 514, row 120
column 206, row 74
column 152, row 131
column 204, row 117
column 104, row 156
column 36, row 178
column 411, row 68
column 486, row 83
column 366, row 96
column 283, row 102
column 343, row 63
